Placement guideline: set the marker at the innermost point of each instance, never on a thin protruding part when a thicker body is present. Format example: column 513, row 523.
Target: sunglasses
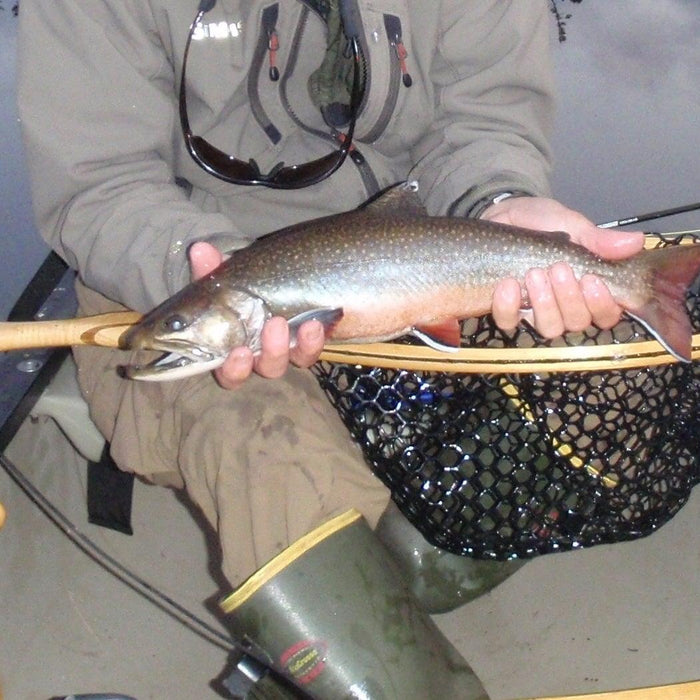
column 239, row 172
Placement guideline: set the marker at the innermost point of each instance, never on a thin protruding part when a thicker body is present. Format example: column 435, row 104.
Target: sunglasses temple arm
column 204, row 6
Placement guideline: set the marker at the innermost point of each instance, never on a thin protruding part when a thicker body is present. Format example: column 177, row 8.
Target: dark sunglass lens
column 219, row 163
column 306, row 174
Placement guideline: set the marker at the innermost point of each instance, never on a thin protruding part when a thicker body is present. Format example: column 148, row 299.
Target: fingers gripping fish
column 385, row 270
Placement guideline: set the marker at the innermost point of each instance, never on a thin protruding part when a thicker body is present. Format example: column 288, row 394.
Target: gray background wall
column 627, row 138
column 21, row 249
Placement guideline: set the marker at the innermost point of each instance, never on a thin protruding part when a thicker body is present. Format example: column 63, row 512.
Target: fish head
column 196, row 329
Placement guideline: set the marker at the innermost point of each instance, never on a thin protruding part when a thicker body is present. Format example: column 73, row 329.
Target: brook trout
column 385, row 270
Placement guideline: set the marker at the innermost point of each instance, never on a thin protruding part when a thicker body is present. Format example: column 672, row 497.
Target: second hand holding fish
column 276, row 355
column 560, row 302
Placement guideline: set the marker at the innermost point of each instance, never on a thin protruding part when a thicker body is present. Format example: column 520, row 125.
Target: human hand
column 559, row 301
column 276, row 355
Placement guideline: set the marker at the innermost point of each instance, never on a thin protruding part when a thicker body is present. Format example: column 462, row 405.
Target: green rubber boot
column 333, row 614
column 440, row 580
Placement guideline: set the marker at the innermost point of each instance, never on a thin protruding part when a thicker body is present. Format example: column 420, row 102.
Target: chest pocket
column 384, row 38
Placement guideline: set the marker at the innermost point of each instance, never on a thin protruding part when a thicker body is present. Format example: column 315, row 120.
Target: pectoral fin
column 329, row 318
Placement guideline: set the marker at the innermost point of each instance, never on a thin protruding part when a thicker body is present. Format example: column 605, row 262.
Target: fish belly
column 391, row 316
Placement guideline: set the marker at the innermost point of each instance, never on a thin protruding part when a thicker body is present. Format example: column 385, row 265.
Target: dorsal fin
column 396, row 200
column 558, row 237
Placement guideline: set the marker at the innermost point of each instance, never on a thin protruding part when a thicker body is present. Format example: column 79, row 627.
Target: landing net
column 500, row 466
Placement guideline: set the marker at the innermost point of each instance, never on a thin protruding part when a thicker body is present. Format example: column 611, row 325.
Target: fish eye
column 174, row 323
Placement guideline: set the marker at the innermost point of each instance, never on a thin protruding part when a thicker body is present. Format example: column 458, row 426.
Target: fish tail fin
column 664, row 314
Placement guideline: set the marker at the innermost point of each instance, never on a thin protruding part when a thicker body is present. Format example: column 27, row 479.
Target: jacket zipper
column 289, row 70
column 267, row 45
column 398, row 74
column 393, row 31
column 369, row 179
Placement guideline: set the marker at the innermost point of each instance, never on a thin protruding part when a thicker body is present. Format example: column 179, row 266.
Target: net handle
column 105, row 329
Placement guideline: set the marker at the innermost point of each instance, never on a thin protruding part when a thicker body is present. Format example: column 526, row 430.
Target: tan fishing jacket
column 116, row 193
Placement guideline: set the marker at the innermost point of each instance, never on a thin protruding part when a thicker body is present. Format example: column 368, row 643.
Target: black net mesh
column 501, row 466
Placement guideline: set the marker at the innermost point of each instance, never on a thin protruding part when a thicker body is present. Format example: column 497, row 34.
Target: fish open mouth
column 173, row 365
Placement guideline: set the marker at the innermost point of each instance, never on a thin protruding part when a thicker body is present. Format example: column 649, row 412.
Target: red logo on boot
column 305, row 660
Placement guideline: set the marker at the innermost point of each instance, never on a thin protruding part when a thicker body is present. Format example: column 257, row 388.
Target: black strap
column 109, row 494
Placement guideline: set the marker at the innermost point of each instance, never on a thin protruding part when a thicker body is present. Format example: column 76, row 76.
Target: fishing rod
column 650, row 216
column 249, row 664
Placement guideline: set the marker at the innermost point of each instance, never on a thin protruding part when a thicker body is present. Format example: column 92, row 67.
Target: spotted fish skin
column 387, row 268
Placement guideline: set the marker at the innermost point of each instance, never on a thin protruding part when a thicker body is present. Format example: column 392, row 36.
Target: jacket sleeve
column 493, row 88
column 97, row 106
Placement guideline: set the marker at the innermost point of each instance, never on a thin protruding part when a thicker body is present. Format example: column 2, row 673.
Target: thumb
column 204, row 258
column 612, row 245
